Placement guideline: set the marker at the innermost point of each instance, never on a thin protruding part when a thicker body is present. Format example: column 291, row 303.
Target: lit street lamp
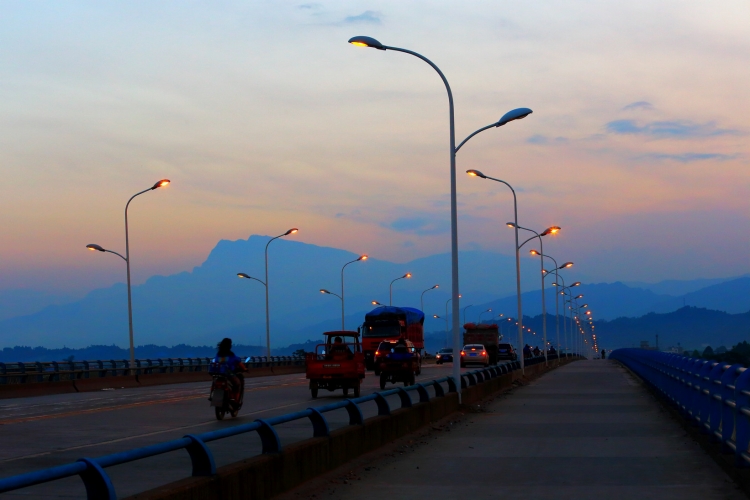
column 268, row 317
column 358, row 259
column 324, row 291
column 516, row 114
column 390, row 287
column 376, row 303
column 93, row 247
column 557, row 307
column 549, row 230
column 479, row 321
column 477, row 173
column 421, row 297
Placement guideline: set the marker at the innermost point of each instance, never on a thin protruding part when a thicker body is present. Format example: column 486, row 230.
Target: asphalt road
column 46, row 431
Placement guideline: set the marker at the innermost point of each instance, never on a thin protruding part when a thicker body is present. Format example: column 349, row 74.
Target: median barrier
column 279, row 469
column 129, row 381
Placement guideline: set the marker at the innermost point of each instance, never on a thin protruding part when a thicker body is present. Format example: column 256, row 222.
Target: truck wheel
column 357, row 389
column 383, row 380
column 314, row 389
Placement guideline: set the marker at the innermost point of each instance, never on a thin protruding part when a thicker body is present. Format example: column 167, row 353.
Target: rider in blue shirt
column 230, row 365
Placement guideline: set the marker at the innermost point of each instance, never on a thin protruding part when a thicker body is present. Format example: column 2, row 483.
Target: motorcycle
column 225, row 396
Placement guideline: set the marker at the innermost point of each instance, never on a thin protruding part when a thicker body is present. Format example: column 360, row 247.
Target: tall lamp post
column 268, row 317
column 465, row 308
column 549, row 230
column 390, row 287
column 516, row 114
column 479, row 321
column 545, row 273
column 477, row 173
column 94, row 247
column 421, row 297
column 341, row 297
column 358, row 259
column 447, row 339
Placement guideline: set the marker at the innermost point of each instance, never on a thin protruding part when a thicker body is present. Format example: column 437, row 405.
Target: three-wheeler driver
column 400, row 364
column 337, row 364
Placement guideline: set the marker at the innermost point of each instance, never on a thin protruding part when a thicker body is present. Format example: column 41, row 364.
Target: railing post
column 355, row 414
column 319, row 423
column 383, row 407
column 268, row 437
column 742, row 424
column 97, row 482
column 404, row 396
column 201, row 457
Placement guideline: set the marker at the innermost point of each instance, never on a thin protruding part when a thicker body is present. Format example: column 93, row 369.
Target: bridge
column 574, row 428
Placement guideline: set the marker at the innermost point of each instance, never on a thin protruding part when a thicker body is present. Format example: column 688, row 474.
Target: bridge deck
column 587, row 430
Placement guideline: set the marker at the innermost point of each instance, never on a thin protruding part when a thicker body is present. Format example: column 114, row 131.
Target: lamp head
column 476, row 173
column 515, row 114
column 585, row 305
column 534, row 252
column 407, row 275
column 435, row 316
column 243, row 275
column 510, row 224
column 551, row 230
column 566, row 265
column 577, row 283
column 93, row 247
column 160, row 184
column 362, row 257
column 366, row 41
column 578, row 296
column 291, row 231
column 436, row 286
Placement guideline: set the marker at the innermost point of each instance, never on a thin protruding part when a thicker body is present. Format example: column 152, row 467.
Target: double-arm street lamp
column 390, row 287
column 94, row 247
column 549, row 230
column 366, row 41
column 557, row 306
column 421, row 297
column 265, row 285
column 477, row 173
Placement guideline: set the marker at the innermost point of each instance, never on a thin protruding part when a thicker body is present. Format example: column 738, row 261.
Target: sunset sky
column 264, row 118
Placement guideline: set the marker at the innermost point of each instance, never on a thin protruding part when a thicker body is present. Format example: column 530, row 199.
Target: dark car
column 506, row 352
column 444, row 355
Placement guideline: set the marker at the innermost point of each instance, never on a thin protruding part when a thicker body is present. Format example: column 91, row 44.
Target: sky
column 264, row 118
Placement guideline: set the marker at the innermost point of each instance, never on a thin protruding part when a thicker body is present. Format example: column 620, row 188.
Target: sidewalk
column 586, row 430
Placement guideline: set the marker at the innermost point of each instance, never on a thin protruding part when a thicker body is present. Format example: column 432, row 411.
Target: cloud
column 367, row 17
column 687, row 157
column 639, row 105
column 542, row 140
column 677, row 129
column 421, row 226
column 309, row 6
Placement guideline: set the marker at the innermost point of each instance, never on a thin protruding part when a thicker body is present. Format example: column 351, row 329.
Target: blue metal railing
column 51, row 371
column 99, row 486
column 715, row 396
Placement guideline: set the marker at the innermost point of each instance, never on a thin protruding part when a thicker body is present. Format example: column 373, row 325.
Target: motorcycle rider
column 232, row 366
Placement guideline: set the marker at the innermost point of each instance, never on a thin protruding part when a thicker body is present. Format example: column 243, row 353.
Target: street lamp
column 376, row 303
column 479, row 321
column 268, row 317
column 549, row 230
column 516, row 114
column 421, row 297
column 358, row 259
column 557, row 307
column 447, row 339
column 326, row 292
column 94, row 247
column 477, row 173
column 465, row 308
column 390, row 287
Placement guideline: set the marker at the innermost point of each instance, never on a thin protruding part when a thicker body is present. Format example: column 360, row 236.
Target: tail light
column 463, row 353
column 484, row 353
column 377, row 353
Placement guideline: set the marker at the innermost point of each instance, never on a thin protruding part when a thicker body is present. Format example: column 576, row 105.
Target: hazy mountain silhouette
column 210, row 302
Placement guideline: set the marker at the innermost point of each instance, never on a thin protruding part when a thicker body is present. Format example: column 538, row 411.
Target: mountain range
column 209, row 302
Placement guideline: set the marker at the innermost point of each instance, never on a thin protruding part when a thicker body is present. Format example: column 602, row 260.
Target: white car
column 474, row 354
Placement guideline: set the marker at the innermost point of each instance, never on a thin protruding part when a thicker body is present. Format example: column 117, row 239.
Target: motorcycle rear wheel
column 220, row 412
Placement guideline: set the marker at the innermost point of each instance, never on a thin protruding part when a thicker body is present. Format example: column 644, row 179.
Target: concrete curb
column 268, row 475
column 128, row 381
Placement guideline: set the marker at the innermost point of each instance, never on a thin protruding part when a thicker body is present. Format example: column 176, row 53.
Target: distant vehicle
column 388, row 323
column 506, row 352
column 337, row 364
column 400, row 364
column 474, row 354
column 486, row 335
column 227, row 389
column 387, row 347
column 444, row 355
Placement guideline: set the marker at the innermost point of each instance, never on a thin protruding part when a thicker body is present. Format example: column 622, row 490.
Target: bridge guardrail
column 55, row 371
column 715, row 396
column 99, row 486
